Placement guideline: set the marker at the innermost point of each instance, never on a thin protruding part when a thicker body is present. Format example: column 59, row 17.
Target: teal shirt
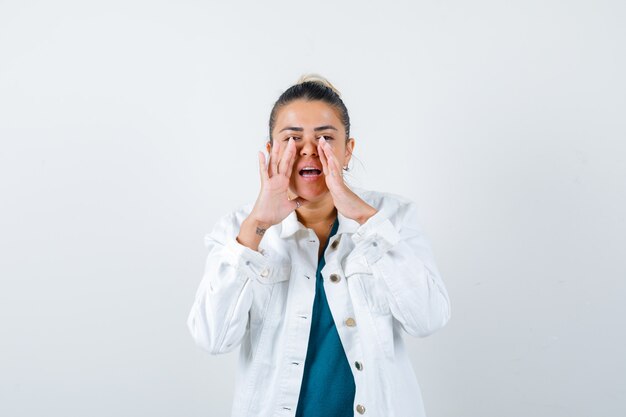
column 327, row 384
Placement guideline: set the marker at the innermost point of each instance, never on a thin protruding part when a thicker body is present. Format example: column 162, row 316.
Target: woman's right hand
column 273, row 204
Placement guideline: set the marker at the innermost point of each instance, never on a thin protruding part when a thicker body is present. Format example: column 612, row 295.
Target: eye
column 294, row 138
column 326, row 137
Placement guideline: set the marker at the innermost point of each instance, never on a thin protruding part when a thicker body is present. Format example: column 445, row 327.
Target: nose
column 309, row 147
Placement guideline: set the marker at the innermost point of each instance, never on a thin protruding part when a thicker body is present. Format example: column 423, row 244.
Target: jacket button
column 265, row 273
column 360, row 409
column 350, row 322
column 334, row 277
column 358, row 365
column 334, row 244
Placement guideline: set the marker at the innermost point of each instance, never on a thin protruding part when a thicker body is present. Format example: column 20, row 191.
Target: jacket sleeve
column 400, row 256
column 219, row 316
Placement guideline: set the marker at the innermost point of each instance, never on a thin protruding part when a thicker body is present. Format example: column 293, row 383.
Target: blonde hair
column 316, row 78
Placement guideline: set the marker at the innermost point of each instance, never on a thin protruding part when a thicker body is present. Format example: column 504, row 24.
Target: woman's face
column 306, row 122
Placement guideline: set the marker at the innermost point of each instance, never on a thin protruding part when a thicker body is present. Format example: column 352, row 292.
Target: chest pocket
column 268, row 299
column 374, row 289
column 374, row 300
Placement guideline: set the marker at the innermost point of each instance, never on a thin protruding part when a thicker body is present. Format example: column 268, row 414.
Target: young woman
column 316, row 280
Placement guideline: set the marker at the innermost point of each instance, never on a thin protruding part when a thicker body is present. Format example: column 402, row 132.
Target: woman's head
column 306, row 111
column 312, row 87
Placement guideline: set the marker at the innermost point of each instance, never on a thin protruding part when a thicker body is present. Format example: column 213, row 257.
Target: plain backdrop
column 128, row 127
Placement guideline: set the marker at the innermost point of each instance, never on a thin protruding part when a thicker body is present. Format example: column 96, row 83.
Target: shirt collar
column 290, row 225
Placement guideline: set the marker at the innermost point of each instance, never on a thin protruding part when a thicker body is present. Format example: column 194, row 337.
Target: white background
column 128, row 127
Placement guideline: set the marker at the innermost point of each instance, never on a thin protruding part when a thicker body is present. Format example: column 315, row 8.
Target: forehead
column 307, row 114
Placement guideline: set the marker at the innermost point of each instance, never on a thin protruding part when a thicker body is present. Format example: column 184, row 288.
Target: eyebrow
column 317, row 129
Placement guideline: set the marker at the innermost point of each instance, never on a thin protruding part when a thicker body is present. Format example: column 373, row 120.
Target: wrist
column 255, row 222
column 255, row 218
column 251, row 232
column 365, row 216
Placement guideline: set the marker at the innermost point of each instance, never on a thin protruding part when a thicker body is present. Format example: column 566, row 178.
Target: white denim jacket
column 380, row 279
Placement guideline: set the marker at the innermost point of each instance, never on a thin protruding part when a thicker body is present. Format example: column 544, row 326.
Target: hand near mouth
column 346, row 201
column 273, row 203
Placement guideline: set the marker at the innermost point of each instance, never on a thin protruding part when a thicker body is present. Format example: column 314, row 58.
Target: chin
column 310, row 192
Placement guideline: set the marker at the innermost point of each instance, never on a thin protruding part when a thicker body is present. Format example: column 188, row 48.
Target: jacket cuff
column 254, row 265
column 375, row 237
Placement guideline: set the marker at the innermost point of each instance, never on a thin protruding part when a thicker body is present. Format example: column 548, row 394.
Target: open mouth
column 310, row 172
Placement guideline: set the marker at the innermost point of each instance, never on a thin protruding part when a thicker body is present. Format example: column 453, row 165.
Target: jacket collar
column 290, row 225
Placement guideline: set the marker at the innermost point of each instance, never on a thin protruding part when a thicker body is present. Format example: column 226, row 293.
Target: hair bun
column 316, row 78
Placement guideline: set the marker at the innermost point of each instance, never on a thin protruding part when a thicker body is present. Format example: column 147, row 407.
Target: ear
column 349, row 148
column 268, row 146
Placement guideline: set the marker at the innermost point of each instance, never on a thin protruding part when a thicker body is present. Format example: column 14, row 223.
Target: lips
column 310, row 169
column 310, row 172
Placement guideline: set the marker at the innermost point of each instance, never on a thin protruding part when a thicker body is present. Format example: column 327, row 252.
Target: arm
column 219, row 315
column 400, row 256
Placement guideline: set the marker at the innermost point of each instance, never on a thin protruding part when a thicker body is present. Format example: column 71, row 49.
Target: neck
column 318, row 212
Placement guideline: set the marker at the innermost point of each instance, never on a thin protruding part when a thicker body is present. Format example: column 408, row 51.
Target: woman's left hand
column 347, row 202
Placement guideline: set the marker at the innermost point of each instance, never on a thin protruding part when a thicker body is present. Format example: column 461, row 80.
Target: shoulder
column 401, row 211
column 391, row 203
column 228, row 224
column 239, row 214
column 235, row 216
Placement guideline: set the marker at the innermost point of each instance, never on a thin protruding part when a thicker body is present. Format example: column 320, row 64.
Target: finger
column 330, row 158
column 292, row 159
column 262, row 168
column 286, row 158
column 336, row 166
column 274, row 160
column 320, row 151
